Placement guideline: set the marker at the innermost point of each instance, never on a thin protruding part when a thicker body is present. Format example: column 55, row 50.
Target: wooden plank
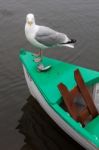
column 85, row 93
column 68, row 100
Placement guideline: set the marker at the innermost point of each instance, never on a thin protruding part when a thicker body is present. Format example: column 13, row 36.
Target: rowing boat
column 55, row 90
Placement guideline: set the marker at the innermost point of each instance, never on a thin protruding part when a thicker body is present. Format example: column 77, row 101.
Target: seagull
column 44, row 37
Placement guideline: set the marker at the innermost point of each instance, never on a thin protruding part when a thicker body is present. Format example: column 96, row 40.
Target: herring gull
column 44, row 37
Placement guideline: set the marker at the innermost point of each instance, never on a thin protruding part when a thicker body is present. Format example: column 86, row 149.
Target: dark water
column 80, row 20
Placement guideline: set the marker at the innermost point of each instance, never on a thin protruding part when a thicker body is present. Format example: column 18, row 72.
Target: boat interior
column 72, row 92
column 81, row 103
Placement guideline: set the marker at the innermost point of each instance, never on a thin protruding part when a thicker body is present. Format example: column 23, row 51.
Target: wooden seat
column 89, row 111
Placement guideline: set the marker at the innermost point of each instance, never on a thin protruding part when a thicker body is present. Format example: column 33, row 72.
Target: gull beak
column 30, row 23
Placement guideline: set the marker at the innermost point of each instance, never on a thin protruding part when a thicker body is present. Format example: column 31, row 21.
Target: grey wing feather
column 49, row 37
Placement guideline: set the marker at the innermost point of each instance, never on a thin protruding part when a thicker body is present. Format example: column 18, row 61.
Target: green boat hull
column 46, row 83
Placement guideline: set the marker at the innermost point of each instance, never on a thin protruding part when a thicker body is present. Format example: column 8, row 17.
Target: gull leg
column 38, row 58
column 41, row 66
column 37, row 54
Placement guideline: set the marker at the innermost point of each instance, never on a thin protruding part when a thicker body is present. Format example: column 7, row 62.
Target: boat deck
column 60, row 72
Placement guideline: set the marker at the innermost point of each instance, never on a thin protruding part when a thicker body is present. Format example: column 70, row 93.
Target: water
column 80, row 20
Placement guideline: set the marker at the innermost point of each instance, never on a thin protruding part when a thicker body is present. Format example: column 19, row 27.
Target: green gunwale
column 47, row 84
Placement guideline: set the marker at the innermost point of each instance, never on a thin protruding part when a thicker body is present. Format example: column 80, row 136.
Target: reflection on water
column 40, row 131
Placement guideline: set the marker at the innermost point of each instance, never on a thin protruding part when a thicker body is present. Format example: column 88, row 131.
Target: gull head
column 30, row 19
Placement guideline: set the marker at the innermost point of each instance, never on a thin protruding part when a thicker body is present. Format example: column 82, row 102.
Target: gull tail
column 70, row 43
